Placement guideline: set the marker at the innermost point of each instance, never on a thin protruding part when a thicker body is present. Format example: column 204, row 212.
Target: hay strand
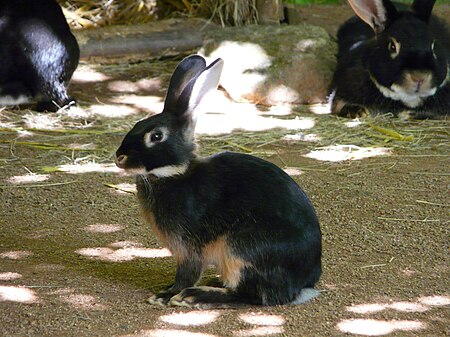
column 431, row 203
column 392, row 134
column 118, row 188
column 40, row 185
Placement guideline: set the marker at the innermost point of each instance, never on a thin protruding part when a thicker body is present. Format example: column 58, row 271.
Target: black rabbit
column 392, row 60
column 240, row 213
column 38, row 54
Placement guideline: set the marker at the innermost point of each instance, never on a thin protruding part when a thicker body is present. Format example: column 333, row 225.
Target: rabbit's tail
column 306, row 295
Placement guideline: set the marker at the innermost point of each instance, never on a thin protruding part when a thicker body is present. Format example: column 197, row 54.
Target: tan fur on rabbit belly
column 174, row 244
column 229, row 266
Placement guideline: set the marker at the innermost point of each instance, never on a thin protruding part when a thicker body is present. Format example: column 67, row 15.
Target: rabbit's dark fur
column 395, row 61
column 38, row 54
column 240, row 213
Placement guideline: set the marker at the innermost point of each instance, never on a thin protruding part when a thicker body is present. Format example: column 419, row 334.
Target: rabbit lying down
column 240, row 213
column 38, row 54
column 392, row 61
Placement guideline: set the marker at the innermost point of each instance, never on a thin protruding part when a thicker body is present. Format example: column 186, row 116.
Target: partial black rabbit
column 240, row 213
column 392, row 59
column 38, row 54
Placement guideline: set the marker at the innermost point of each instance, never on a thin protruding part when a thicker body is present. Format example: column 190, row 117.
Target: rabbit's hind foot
column 204, row 297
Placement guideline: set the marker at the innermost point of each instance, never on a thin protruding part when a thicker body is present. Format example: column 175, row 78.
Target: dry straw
column 95, row 13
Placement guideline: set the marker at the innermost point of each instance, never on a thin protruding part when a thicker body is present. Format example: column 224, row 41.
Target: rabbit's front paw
column 353, row 111
column 161, row 298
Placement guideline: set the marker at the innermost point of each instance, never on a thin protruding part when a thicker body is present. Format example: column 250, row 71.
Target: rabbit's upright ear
column 194, row 91
column 186, row 70
column 423, row 8
column 376, row 13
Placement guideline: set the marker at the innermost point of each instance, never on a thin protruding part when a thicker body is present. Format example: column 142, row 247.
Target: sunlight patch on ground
column 408, row 272
column 42, row 121
column 152, row 104
column 147, row 252
column 399, row 306
column 435, row 300
column 145, row 84
column 220, row 124
column 6, row 122
column 423, row 304
column 28, row 178
column 367, row 308
column 282, row 93
column 216, row 114
column 269, row 324
column 9, row 276
column 372, row 327
column 353, row 123
column 122, row 254
column 85, row 146
column 320, row 109
column 88, row 168
column 260, row 331
column 85, row 74
column 191, row 318
column 123, row 188
column 168, row 333
column 408, row 307
column 336, row 153
column 17, row 294
column 293, row 171
column 16, row 254
column 104, row 228
column 23, row 133
column 85, row 302
column 76, row 112
column 126, row 244
column 262, row 319
column 279, row 110
column 302, row 137
column 111, row 111
column 62, row 291
column 242, row 60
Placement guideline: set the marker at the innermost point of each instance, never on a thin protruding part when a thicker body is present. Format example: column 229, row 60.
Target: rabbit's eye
column 393, row 47
column 156, row 137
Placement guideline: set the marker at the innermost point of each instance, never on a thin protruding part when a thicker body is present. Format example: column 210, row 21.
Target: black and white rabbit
column 392, row 60
column 38, row 54
column 240, row 213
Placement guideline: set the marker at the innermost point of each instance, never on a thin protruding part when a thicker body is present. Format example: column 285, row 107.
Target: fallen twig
column 411, row 220
column 243, row 148
column 374, row 265
column 48, row 146
column 40, row 185
column 430, row 203
column 126, row 190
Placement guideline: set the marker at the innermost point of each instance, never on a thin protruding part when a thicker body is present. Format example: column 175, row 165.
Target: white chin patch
column 10, row 100
column 169, row 171
column 409, row 99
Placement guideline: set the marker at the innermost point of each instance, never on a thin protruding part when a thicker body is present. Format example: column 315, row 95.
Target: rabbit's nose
column 121, row 161
column 420, row 80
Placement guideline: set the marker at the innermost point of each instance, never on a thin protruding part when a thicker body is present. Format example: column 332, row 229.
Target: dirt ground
column 76, row 258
